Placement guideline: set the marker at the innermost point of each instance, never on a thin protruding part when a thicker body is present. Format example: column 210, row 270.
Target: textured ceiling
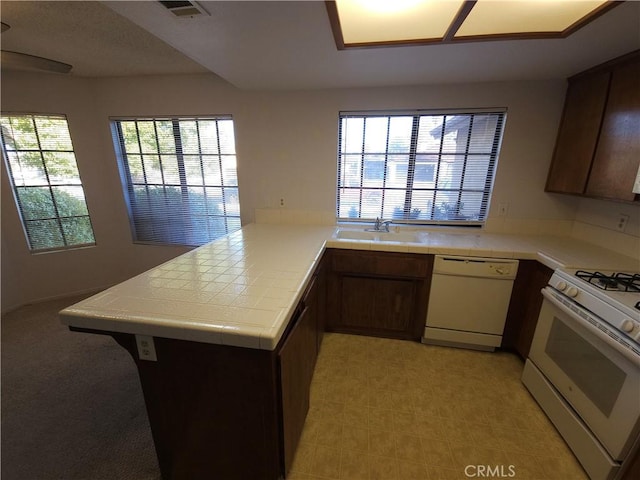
column 288, row 45
column 91, row 37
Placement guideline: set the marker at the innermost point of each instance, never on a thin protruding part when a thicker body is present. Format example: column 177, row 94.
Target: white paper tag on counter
column 636, row 184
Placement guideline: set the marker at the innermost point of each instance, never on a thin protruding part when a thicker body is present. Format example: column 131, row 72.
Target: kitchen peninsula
column 225, row 337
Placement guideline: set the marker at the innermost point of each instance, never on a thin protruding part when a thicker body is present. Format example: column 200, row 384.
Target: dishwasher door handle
column 464, row 260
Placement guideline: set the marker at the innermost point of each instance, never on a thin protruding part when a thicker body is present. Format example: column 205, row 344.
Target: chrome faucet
column 381, row 225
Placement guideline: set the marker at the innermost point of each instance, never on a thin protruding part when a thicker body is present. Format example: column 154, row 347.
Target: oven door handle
column 602, row 336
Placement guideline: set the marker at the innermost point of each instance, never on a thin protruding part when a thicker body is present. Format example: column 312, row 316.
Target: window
column 45, row 180
column 417, row 167
column 179, row 177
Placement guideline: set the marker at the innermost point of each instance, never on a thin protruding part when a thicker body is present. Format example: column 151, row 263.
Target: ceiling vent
column 184, row 9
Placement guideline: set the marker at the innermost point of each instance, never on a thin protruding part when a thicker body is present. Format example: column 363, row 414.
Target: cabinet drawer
column 353, row 262
column 402, row 265
column 380, row 263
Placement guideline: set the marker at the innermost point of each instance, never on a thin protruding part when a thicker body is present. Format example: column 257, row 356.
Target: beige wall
column 286, row 143
column 598, row 221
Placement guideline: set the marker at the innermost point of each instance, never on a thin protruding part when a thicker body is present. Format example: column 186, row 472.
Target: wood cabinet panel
column 348, row 261
column 227, row 412
column 617, row 156
column 524, row 307
column 597, row 151
column 380, row 263
column 296, row 361
column 402, row 265
column 378, row 293
column 377, row 304
column 321, row 300
column 311, row 303
column 632, row 467
column 210, row 408
column 578, row 134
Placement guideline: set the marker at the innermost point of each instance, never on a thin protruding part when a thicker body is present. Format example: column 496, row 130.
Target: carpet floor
column 72, row 405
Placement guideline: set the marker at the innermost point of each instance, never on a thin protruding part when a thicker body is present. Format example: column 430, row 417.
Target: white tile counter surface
column 242, row 289
column 239, row 290
column 552, row 251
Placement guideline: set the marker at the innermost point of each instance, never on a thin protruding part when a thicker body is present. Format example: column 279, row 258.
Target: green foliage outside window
column 46, row 182
column 179, row 177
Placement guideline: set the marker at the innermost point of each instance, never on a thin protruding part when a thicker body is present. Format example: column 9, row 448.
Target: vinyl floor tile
column 389, row 409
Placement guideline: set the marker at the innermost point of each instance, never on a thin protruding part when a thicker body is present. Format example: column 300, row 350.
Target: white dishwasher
column 468, row 301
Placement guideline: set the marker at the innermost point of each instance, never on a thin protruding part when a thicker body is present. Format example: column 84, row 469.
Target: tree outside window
column 179, row 177
column 46, row 183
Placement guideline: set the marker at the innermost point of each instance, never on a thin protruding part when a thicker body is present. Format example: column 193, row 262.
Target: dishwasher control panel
column 475, row 266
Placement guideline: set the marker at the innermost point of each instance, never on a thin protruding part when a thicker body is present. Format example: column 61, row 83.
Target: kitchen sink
column 412, row 237
column 373, row 236
column 356, row 235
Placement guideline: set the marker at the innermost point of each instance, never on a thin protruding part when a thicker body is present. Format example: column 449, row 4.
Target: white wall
column 29, row 277
column 598, row 222
column 286, row 143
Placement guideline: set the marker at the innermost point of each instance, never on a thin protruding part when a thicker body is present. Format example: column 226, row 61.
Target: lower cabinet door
column 377, row 305
column 296, row 362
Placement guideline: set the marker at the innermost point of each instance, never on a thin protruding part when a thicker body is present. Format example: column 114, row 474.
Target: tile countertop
column 238, row 290
column 242, row 289
column 553, row 252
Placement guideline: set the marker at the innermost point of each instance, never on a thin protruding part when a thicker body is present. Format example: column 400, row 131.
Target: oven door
column 594, row 374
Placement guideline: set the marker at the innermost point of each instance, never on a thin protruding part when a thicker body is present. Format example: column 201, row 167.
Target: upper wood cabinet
column 597, row 151
column 578, row 134
column 617, row 156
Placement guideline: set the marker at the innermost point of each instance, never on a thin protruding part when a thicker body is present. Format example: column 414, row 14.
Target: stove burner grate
column 620, row 282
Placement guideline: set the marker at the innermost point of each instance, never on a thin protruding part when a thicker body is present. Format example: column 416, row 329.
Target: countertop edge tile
column 213, row 275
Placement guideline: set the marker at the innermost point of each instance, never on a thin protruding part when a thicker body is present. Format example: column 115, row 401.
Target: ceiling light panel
column 381, row 21
column 500, row 17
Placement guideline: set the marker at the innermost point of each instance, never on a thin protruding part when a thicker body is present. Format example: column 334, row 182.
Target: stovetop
column 616, row 281
column 614, row 302
column 620, row 290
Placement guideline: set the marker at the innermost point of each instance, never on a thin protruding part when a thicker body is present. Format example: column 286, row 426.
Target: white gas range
column 584, row 365
column 613, row 296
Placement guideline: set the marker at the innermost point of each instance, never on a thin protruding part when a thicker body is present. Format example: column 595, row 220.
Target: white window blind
column 46, row 183
column 417, row 167
column 179, row 177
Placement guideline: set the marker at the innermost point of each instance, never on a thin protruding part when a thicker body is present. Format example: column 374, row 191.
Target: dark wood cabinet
column 524, row 307
column 379, row 303
column 321, row 299
column 296, row 361
column 378, row 293
column 218, row 411
column 597, row 151
column 632, row 467
column 617, row 156
column 210, row 408
column 578, row 133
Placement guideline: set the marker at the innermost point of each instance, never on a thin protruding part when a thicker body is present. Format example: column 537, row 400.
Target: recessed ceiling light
column 385, row 6
column 366, row 23
column 370, row 21
column 525, row 16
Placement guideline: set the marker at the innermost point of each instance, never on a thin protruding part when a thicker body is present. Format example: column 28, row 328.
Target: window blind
column 179, row 178
column 45, row 180
column 417, row 167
